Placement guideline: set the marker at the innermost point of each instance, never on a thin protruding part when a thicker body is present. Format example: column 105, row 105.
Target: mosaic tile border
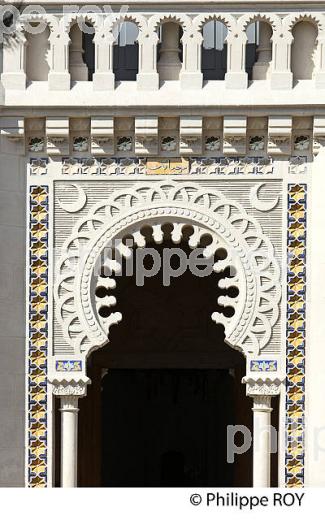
column 37, row 401
column 296, row 335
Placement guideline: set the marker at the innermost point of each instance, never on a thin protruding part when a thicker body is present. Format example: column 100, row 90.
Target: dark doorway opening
column 171, row 426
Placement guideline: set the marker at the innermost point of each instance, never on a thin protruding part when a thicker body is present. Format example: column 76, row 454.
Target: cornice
column 199, row 4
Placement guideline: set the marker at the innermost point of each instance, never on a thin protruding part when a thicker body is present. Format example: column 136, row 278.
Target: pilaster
column 236, row 76
column 281, row 76
column 191, row 76
column 14, row 63
column 59, row 76
column 103, row 78
column 148, row 77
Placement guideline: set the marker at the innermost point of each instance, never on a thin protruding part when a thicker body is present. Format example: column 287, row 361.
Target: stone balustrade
column 279, row 32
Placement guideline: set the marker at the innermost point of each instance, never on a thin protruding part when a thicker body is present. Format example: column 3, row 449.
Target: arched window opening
column 81, row 54
column 214, row 51
column 258, row 50
column 37, row 67
column 170, row 51
column 251, row 47
column 88, row 48
column 126, row 52
column 303, row 50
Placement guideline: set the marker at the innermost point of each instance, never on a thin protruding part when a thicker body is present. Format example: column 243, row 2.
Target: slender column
column 261, row 440
column 191, row 74
column 69, row 392
column 69, row 440
column 236, row 77
column 148, row 77
column 104, row 77
column 281, row 75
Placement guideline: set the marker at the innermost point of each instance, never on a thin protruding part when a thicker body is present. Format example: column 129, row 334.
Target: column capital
column 262, row 403
column 262, row 387
column 70, row 388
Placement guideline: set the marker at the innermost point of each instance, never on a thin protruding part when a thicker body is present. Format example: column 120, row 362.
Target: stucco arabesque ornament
column 249, row 251
column 263, row 386
column 70, row 387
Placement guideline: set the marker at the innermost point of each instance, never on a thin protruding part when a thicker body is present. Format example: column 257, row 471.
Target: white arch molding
column 208, row 211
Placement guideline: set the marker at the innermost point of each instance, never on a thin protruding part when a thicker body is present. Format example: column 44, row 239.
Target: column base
column 319, row 79
column 59, row 81
column 103, row 81
column 148, row 81
column 281, row 80
column 236, row 80
column 191, row 80
column 14, row 80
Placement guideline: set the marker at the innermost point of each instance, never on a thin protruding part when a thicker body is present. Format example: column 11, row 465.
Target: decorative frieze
column 165, row 166
column 262, row 386
column 232, row 166
column 69, row 388
column 184, row 136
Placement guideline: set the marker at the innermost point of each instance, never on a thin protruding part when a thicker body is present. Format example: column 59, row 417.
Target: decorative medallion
column 80, row 144
column 257, row 143
column 36, row 144
column 168, row 144
column 124, row 144
column 302, row 142
column 212, row 144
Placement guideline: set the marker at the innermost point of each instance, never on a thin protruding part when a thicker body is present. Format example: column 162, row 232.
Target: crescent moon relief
column 259, row 204
column 74, row 207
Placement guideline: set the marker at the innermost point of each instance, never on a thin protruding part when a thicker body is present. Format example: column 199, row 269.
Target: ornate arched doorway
column 243, row 260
